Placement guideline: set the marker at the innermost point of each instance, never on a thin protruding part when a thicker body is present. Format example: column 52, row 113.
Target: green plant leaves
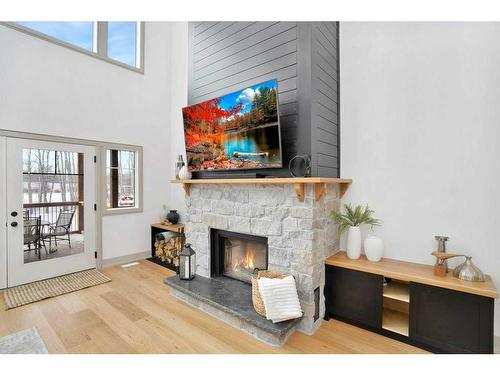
column 354, row 217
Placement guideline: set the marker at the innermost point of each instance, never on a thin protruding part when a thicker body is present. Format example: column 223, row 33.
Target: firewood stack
column 168, row 250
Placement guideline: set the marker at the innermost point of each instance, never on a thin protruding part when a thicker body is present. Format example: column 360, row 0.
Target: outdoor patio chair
column 60, row 230
column 33, row 238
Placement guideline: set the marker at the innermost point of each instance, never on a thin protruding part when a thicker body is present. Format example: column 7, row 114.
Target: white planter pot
column 354, row 243
column 184, row 173
column 374, row 248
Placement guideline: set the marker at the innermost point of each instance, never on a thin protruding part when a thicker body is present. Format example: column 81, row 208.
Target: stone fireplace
column 298, row 234
column 237, row 255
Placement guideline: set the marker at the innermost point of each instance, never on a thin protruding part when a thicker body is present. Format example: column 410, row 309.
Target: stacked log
column 169, row 250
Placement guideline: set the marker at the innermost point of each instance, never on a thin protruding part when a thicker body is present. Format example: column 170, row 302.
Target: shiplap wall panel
column 273, row 68
column 246, row 38
column 218, row 36
column 229, row 56
column 255, row 62
column 325, row 111
column 204, row 26
column 288, row 109
column 324, row 99
column 327, row 136
column 247, row 53
column 327, row 79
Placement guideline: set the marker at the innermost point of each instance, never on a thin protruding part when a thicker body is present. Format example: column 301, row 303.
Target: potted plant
column 351, row 220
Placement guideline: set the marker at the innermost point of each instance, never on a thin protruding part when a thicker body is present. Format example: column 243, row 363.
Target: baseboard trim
column 125, row 259
column 496, row 345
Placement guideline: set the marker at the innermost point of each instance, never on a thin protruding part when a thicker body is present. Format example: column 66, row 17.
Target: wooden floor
column 135, row 313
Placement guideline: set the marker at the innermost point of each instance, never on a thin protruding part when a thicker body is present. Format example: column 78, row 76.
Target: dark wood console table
column 440, row 314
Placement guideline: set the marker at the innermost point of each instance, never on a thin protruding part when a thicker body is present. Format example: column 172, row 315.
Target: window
column 120, row 43
column 80, row 34
column 121, row 176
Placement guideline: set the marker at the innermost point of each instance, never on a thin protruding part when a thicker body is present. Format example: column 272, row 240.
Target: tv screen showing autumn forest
column 235, row 131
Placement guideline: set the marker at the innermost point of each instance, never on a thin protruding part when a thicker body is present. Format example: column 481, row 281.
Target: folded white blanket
column 280, row 298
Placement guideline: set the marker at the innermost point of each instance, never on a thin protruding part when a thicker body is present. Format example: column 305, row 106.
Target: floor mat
column 39, row 290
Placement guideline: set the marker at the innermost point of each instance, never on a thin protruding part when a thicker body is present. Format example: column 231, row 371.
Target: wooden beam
column 298, row 182
column 319, row 190
column 299, row 190
column 262, row 181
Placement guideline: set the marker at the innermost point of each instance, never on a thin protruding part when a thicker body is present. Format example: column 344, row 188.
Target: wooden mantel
column 298, row 182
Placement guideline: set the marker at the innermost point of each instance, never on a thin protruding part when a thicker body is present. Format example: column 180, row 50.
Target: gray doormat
column 23, row 342
column 39, row 290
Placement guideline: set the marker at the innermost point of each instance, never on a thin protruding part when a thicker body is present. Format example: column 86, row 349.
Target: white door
column 3, row 217
column 51, row 222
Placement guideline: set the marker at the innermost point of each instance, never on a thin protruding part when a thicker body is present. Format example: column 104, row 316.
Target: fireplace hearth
column 237, row 255
column 288, row 234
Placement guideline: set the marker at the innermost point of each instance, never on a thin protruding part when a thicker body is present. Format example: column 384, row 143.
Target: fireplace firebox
column 237, row 255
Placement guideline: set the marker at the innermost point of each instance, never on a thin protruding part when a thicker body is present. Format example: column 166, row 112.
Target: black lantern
column 187, row 263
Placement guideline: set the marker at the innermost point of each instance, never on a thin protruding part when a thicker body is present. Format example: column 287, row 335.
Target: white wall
column 45, row 88
column 178, row 99
column 420, row 126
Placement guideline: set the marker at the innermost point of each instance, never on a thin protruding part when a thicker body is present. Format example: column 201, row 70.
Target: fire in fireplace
column 236, row 255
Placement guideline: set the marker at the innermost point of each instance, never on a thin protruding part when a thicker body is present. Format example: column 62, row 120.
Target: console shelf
column 395, row 321
column 440, row 314
column 397, row 290
column 413, row 272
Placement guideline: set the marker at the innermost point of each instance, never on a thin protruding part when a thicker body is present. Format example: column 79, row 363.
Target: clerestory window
column 117, row 42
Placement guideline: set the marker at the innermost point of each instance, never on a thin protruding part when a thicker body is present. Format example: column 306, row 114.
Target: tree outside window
column 121, row 179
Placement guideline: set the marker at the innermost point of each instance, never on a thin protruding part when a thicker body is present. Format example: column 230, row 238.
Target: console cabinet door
column 354, row 296
column 451, row 321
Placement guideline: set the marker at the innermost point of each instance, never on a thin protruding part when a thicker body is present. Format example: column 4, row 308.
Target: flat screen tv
column 240, row 130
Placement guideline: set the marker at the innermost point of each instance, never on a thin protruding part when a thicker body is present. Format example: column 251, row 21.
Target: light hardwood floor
column 135, row 313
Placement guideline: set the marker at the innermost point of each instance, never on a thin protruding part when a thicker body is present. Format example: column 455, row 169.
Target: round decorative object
column 185, row 174
column 354, row 243
column 374, row 248
column 300, row 166
column 173, row 216
column 468, row 271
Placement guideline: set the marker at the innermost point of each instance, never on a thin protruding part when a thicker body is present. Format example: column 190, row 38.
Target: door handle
column 13, row 214
column 13, row 224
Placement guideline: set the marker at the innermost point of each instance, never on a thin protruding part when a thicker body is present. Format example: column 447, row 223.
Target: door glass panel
column 53, row 206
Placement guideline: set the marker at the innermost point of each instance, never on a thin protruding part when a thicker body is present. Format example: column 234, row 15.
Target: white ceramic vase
column 163, row 214
column 354, row 243
column 185, row 174
column 374, row 248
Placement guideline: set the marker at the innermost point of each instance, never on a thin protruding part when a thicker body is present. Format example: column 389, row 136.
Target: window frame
column 99, row 45
column 103, row 179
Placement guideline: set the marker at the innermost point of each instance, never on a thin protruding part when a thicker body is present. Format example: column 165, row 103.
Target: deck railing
column 50, row 211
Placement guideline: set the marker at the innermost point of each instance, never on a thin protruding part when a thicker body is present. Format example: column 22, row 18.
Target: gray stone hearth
column 300, row 234
column 231, row 301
